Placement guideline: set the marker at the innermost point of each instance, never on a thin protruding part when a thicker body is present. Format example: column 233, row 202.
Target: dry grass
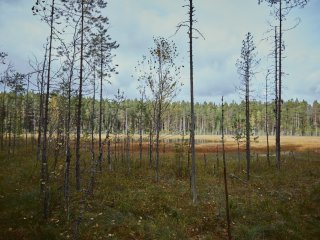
column 288, row 143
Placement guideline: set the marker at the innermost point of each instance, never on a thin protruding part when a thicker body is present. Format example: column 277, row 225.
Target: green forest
column 19, row 116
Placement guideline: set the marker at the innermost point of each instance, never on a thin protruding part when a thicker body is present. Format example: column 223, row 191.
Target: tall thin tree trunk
column 266, row 126
column 276, row 80
column 93, row 158
column 14, row 122
column 238, row 145
column 79, row 102
column 100, row 108
column 158, row 125
column 140, row 141
column 44, row 167
column 248, row 154
column 217, row 157
column 7, row 123
column 192, row 127
column 68, row 148
column 140, row 134
column 26, row 113
column 278, row 130
column 108, row 151
column 10, row 130
column 127, row 143
column 40, row 121
column 225, row 174
column 150, row 146
column 3, row 115
column 68, row 156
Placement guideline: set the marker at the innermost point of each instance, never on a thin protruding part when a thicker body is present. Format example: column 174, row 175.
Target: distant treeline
column 19, row 114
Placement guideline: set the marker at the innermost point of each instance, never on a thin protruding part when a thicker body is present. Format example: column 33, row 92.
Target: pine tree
column 246, row 65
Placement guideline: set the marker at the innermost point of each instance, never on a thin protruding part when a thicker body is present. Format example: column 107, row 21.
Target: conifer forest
column 84, row 156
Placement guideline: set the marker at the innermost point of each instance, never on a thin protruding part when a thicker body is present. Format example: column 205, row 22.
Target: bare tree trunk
column 127, row 143
column 26, row 113
column 248, row 127
column 93, row 157
column 7, row 124
column 189, row 153
column 315, row 123
column 225, row 174
column 239, row 165
column 68, row 148
column 10, row 131
column 276, row 82
column 278, row 133
column 108, row 151
column 267, row 121
column 40, row 123
column 79, row 102
column 192, row 127
column 217, row 157
column 158, row 119
column 100, row 110
column 68, row 157
column 3, row 116
column 150, row 146
column 44, row 166
column 140, row 139
column 14, row 123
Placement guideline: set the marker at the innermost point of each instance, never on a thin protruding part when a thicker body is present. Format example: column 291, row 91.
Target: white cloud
column 223, row 23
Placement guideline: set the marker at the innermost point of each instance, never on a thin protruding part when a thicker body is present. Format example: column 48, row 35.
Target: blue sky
column 224, row 24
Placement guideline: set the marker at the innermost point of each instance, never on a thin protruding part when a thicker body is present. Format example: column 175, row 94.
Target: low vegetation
column 132, row 205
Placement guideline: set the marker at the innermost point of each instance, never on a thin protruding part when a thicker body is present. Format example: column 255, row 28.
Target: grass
column 273, row 205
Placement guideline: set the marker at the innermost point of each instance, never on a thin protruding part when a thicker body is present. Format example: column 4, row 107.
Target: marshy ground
column 274, row 204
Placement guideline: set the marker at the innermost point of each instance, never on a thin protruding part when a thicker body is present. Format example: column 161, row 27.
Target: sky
column 223, row 23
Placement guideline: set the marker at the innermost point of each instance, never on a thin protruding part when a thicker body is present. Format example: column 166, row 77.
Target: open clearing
column 209, row 143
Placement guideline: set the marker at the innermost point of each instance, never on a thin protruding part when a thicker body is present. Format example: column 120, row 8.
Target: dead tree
column 267, row 120
column 225, row 171
column 79, row 106
column 281, row 10
column 189, row 25
column 44, row 182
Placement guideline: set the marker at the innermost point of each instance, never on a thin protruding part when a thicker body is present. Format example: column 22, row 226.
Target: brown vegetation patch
column 211, row 142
